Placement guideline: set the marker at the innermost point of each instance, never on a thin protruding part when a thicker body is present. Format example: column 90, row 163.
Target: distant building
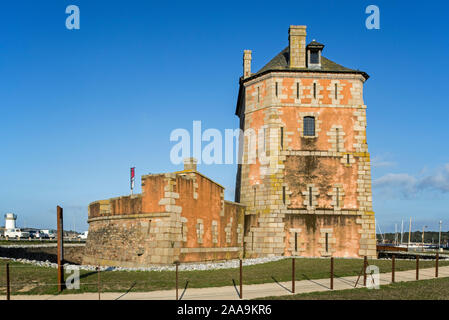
column 10, row 221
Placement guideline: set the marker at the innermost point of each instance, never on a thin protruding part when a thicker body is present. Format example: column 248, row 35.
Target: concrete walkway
column 249, row 291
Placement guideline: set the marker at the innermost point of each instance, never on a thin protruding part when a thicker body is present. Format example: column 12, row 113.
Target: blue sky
column 79, row 107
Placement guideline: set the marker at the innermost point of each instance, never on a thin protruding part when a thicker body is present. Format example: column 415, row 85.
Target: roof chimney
column 246, row 63
column 297, row 46
column 190, row 164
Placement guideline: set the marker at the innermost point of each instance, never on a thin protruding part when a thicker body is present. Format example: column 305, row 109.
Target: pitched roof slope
column 281, row 62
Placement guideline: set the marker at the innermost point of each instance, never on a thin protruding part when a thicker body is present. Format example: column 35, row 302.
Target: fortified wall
column 180, row 216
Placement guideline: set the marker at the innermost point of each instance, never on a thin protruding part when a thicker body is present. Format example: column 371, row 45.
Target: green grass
column 28, row 279
column 434, row 289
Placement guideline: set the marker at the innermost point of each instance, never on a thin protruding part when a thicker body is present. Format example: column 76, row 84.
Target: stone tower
column 305, row 175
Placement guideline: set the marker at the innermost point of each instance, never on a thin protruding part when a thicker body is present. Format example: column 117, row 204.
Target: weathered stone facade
column 307, row 192
column 179, row 216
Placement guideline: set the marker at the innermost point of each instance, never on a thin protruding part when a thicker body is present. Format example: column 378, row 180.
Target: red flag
column 132, row 177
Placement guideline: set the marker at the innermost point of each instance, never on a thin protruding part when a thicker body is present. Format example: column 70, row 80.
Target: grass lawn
column 28, row 279
column 434, row 289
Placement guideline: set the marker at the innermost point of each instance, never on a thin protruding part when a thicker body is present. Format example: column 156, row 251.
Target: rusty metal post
column 417, row 267
column 8, row 287
column 365, row 264
column 99, row 283
column 293, row 275
column 393, row 267
column 241, row 279
column 332, row 273
column 177, row 279
column 436, row 264
column 60, row 257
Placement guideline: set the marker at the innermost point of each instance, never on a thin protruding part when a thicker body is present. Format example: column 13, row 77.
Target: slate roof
column 315, row 44
column 281, row 63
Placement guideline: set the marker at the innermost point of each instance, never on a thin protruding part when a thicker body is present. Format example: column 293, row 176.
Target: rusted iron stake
column 8, row 287
column 177, row 279
column 293, row 275
column 365, row 264
column 393, row 267
column 332, row 273
column 241, row 279
column 436, row 264
column 99, row 283
column 417, row 267
column 60, row 256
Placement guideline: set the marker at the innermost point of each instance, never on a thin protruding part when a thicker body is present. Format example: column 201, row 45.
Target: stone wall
column 179, row 216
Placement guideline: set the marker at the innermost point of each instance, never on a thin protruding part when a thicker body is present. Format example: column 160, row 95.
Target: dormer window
column 314, row 55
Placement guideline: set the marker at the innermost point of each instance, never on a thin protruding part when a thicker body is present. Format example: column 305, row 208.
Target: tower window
column 297, row 90
column 265, row 138
column 338, row 197
column 254, row 201
column 258, row 94
column 277, row 89
column 314, row 90
column 283, row 195
column 347, row 159
column 336, row 91
column 252, row 240
column 337, row 139
column 310, row 197
column 296, row 241
column 327, row 242
column 309, row 126
column 314, row 57
column 282, row 138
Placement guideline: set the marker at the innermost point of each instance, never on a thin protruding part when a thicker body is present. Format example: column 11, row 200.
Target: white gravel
column 182, row 267
column 229, row 264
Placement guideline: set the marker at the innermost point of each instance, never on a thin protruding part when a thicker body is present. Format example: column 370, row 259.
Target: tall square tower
column 305, row 175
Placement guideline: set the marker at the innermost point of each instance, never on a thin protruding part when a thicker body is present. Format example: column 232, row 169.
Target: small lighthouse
column 10, row 221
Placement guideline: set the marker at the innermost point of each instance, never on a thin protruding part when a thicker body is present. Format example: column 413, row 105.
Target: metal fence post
column 393, row 267
column 293, row 275
column 417, row 267
column 60, row 244
column 99, row 283
column 436, row 264
column 365, row 264
column 241, row 279
column 332, row 273
column 8, row 287
column 177, row 279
